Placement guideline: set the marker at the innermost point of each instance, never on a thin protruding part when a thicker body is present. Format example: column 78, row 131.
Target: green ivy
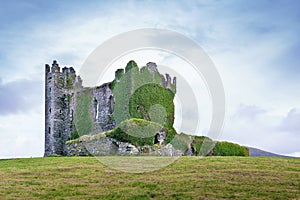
column 138, row 132
column 153, row 102
column 70, row 81
column 130, row 65
column 69, row 98
column 119, row 73
column 74, row 135
column 138, row 91
column 82, row 116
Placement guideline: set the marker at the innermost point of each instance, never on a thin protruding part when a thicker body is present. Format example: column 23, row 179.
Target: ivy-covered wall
column 154, row 103
column 82, row 115
column 138, row 93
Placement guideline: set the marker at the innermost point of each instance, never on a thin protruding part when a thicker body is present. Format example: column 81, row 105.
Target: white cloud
column 22, row 134
column 257, row 127
column 20, row 96
column 291, row 122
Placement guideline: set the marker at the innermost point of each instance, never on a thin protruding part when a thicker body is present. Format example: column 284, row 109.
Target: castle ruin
column 61, row 91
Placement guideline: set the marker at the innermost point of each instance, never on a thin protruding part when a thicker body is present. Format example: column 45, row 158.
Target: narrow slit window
column 96, row 108
column 97, row 113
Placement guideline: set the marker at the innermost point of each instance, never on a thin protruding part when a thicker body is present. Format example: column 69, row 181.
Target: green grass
column 186, row 178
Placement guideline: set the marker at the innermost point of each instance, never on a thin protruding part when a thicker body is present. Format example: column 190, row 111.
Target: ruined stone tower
column 59, row 107
column 66, row 99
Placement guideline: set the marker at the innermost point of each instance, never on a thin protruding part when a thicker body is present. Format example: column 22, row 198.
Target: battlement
column 66, row 79
column 152, row 68
column 55, row 67
column 166, row 80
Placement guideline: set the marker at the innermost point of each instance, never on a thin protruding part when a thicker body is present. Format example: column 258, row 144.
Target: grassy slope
column 186, row 178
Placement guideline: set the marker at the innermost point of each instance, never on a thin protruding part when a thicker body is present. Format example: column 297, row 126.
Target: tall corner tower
column 55, row 111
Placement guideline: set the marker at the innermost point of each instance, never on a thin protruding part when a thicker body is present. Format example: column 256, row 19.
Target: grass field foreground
column 186, row 178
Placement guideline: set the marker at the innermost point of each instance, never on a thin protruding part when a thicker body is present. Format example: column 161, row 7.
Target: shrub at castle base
column 132, row 115
column 205, row 146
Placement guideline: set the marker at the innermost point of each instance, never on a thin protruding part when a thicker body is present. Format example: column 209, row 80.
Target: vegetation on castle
column 138, row 132
column 82, row 115
column 139, row 87
column 139, row 94
column 153, row 102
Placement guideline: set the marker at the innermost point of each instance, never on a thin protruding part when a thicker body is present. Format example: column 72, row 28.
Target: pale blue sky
column 255, row 45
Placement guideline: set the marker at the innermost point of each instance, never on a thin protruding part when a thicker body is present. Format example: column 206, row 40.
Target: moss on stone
column 87, row 138
column 69, row 82
column 69, row 98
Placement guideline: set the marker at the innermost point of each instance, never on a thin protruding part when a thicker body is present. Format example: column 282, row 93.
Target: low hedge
column 229, row 149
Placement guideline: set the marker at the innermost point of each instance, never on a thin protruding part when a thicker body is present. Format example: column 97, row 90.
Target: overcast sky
column 254, row 45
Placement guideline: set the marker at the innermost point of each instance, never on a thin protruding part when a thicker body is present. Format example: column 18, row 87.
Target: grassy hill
column 186, row 178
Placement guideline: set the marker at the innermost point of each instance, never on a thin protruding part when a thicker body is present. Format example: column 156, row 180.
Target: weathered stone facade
column 61, row 90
